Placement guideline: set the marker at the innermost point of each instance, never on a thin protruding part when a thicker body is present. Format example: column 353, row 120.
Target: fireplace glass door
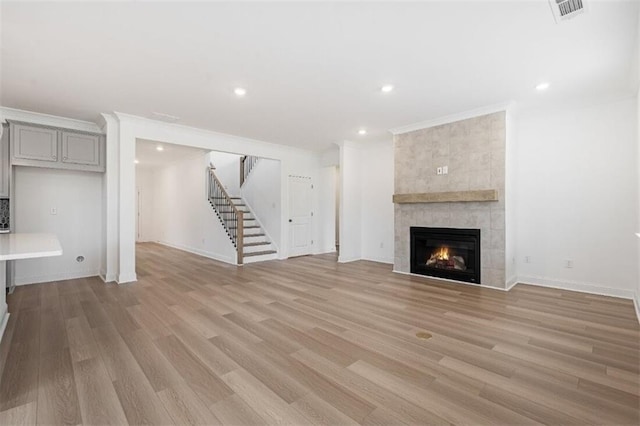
column 451, row 253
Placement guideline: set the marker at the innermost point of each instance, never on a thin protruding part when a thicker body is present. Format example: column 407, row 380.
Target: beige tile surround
column 474, row 151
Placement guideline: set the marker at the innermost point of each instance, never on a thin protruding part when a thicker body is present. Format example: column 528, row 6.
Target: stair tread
column 253, row 235
column 259, row 253
column 248, row 227
column 261, row 243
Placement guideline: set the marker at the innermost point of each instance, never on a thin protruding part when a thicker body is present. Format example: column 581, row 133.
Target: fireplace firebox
column 451, row 253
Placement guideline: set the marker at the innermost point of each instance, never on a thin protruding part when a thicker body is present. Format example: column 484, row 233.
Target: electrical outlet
column 54, row 211
column 381, row 245
column 527, row 259
column 568, row 263
column 439, row 171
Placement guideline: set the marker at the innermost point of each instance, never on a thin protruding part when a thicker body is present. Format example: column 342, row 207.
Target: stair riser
column 248, row 239
column 253, row 249
column 254, row 259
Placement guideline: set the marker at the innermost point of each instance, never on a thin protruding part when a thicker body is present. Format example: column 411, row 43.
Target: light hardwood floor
column 310, row 341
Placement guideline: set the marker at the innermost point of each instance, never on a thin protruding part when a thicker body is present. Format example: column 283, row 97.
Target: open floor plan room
column 310, row 341
column 320, row 213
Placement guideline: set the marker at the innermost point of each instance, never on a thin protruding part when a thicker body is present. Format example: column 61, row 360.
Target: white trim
column 576, row 286
column 348, row 259
column 511, row 282
column 255, row 217
column 448, row 281
column 326, row 250
column 636, row 304
column 28, row 280
column 202, row 253
column 107, row 278
column 5, row 321
column 127, row 278
column 229, row 139
column 489, row 109
column 386, row 261
column 48, row 120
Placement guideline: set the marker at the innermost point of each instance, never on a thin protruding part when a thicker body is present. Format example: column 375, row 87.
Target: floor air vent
column 567, row 9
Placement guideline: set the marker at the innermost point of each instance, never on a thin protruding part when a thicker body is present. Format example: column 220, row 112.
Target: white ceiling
column 149, row 157
column 312, row 70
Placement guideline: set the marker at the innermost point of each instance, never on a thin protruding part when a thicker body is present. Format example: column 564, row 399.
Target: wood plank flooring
column 308, row 341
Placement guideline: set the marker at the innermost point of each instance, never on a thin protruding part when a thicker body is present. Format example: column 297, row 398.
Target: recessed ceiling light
column 136, row 161
column 159, row 148
column 239, row 91
column 362, row 132
column 387, row 88
column 542, row 86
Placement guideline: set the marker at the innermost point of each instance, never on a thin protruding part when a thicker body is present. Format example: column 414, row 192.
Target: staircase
column 248, row 237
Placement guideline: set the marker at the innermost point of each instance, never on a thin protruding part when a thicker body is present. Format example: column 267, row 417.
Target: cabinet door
column 78, row 148
column 34, row 143
column 4, row 162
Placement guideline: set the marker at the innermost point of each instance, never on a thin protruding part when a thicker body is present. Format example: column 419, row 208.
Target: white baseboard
column 325, row 250
column 379, row 260
column 127, row 278
column 203, row 253
column 636, row 303
column 576, row 286
column 107, row 278
column 342, row 259
column 3, row 324
column 511, row 282
column 18, row 281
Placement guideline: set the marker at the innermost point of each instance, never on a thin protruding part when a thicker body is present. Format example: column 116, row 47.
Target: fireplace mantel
column 447, row 197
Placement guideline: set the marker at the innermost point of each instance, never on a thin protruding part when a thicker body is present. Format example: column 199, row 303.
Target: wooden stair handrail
column 247, row 163
column 239, row 215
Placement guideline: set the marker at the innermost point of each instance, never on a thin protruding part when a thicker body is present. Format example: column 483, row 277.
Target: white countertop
column 28, row 246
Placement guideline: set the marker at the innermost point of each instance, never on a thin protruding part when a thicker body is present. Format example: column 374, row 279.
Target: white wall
column 183, row 216
column 327, row 209
column 578, row 197
column 511, row 203
column 637, row 80
column 145, row 183
column 77, row 197
column 366, row 190
column 350, row 202
column 377, row 231
column 228, row 170
column 261, row 191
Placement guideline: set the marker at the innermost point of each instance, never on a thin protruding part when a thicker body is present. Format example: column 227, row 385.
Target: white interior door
column 300, row 214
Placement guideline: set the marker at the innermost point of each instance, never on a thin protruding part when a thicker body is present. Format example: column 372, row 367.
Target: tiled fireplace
column 474, row 152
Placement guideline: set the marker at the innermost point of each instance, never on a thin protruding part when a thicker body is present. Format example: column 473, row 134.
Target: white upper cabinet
column 34, row 143
column 81, row 148
column 43, row 146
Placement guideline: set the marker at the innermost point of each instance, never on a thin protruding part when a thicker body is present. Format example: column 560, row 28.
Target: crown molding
column 489, row 109
column 47, row 120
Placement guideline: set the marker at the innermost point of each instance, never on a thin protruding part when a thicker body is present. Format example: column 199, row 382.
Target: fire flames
column 442, row 258
column 442, row 254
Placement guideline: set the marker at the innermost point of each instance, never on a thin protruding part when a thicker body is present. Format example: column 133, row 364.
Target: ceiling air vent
column 567, row 9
